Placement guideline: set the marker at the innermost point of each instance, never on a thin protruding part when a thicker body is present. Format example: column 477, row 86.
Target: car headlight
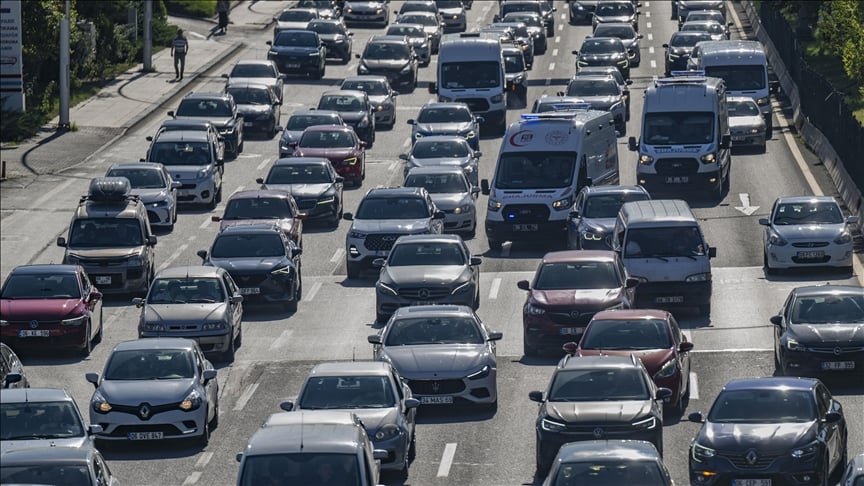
column 494, row 205
column 645, row 424
column 386, row 289
column 481, row 373
column 4, row 323
column 356, row 234
column 363, row 123
column 214, row 325
column 762, row 101
column 418, row 135
column 327, row 200
column 533, row 310
column 135, row 261
column 158, row 204
column 754, row 131
column 465, row 208
column 562, row 204
column 272, row 53
column 708, row 158
column 844, row 238
column 807, row 451
column 314, row 54
column 700, row 452
column 204, row 173
column 552, row 426
column 99, row 404
column 379, row 11
column 461, row 287
column 618, row 306
column 673, row 57
column 349, row 160
column 339, row 41
column 581, row 63
column 152, row 327
column 387, row 432
column 469, row 135
column 406, row 68
column 668, row 369
column 499, row 98
column 792, row 344
column 645, row 159
column 699, row 277
column 75, row 321
column 362, row 69
column 228, row 130
column 776, row 240
column 192, row 401
column 379, row 108
column 444, row 99
column 622, row 62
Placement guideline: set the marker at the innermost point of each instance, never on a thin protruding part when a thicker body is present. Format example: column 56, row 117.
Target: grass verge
column 191, row 8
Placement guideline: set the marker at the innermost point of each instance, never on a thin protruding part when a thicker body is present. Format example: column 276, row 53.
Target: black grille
column 604, row 430
column 676, row 166
column 436, row 387
column 475, row 104
column 526, row 213
column 27, row 323
column 136, row 409
column 250, row 280
column 811, row 244
column 823, row 259
column 306, row 203
column 740, row 461
column 837, row 350
column 380, row 241
column 566, row 318
column 166, row 429
column 187, row 186
column 424, row 293
column 117, row 280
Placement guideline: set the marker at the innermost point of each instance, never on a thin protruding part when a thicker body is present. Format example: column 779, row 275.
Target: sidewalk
column 132, row 97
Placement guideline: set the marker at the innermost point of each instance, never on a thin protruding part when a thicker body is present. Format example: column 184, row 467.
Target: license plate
column 424, row 302
column 293, row 65
column 524, row 227
column 811, row 255
column 677, row 180
column 436, row 400
column 751, row 482
column 249, row 290
column 674, row 299
column 570, row 331
column 247, row 123
column 738, row 138
column 144, row 435
column 838, row 365
column 34, row 333
column 103, row 280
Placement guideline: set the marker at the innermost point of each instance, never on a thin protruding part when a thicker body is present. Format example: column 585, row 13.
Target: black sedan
column 355, row 108
column 820, row 329
column 336, row 39
column 680, row 47
column 604, row 51
column 298, row 52
column 769, row 431
column 313, row 182
column 258, row 106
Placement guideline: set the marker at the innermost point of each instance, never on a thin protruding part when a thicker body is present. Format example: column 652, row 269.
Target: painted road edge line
column 446, row 460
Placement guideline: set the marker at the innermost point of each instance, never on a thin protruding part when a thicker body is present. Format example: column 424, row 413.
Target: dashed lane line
column 192, row 478
column 204, row 460
column 263, row 164
column 493, row 289
column 337, row 256
column 557, row 39
column 245, row 397
column 446, row 460
column 554, row 52
column 647, row 15
column 648, row 24
column 175, row 255
column 551, row 66
column 311, row 294
column 734, row 350
column 653, row 64
column 282, row 340
column 650, row 36
column 694, row 387
column 651, row 50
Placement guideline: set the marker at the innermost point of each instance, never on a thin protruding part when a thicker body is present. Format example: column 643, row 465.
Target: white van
column 544, row 160
column 742, row 64
column 661, row 244
column 471, row 71
column 684, row 144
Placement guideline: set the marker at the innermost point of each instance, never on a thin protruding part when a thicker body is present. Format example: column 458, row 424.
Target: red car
column 653, row 336
column 42, row 305
column 263, row 206
column 338, row 144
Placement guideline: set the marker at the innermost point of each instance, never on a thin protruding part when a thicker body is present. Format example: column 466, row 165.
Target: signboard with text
column 11, row 71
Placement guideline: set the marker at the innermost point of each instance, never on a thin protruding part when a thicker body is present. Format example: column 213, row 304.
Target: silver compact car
column 447, row 119
column 451, row 192
column 154, row 389
column 603, row 93
column 370, row 11
column 152, row 183
column 594, row 212
column 427, row 269
column 746, row 123
column 445, row 352
column 451, row 150
column 258, row 71
column 807, row 231
column 42, row 418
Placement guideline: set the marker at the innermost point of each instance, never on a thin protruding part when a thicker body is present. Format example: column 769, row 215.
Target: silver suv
column 384, row 215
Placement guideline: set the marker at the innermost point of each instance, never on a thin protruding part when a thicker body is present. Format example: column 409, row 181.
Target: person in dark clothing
column 179, row 49
column 223, row 7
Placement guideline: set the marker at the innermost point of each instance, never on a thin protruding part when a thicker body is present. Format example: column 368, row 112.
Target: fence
column 820, row 102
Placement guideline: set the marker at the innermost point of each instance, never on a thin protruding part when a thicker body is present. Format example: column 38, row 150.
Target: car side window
column 5, row 364
column 370, row 466
column 823, row 400
column 85, row 284
column 397, row 380
column 229, row 285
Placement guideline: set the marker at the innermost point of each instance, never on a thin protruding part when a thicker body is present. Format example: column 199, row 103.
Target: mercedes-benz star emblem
column 423, row 294
column 574, row 314
column 751, row 457
column 144, row 411
column 34, row 324
column 837, row 350
column 599, row 433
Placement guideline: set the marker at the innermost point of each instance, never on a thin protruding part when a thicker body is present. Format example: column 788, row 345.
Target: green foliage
column 192, row 8
column 16, row 125
column 841, row 34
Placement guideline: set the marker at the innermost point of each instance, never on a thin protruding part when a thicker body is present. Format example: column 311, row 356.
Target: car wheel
column 381, row 318
column 622, row 129
column 238, row 341
column 495, row 244
column 412, row 447
column 204, row 438
column 88, row 341
column 98, row 337
column 542, row 466
column 472, row 232
column 352, row 269
column 228, row 355
column 346, row 58
column 214, row 422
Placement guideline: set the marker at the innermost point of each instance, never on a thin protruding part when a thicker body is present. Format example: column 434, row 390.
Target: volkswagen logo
column 837, row 350
column 423, row 294
column 574, row 314
column 599, row 433
column 34, row 324
column 751, row 457
column 436, row 387
column 144, row 411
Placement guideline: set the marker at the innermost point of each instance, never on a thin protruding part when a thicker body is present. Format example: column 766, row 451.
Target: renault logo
column 751, row 457
column 144, row 411
column 34, row 324
column 423, row 293
column 599, row 433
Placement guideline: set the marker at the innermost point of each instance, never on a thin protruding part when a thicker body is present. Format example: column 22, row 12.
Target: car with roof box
column 259, row 71
column 620, row 461
column 56, row 465
column 417, row 37
column 42, row 418
column 152, row 183
column 381, row 95
column 314, row 184
column 452, row 193
column 356, row 110
column 191, row 159
column 300, row 120
column 391, row 56
column 220, row 110
column 261, row 206
column 336, row 39
column 258, row 106
column 340, row 145
column 191, row 124
column 437, row 118
column 593, row 214
column 299, row 52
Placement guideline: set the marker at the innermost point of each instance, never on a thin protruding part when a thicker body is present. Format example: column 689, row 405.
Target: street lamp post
column 64, row 70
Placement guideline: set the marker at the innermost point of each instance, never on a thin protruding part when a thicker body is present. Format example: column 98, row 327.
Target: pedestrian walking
column 179, row 49
column 223, row 7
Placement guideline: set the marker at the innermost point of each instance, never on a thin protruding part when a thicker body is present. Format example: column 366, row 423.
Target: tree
column 842, row 34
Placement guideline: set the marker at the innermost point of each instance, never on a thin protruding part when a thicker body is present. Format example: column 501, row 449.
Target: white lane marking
column 646, row 4
column 647, row 15
column 505, row 249
column 245, row 397
column 351, row 68
column 486, row 8
column 557, row 39
column 554, row 52
column 79, row 174
column 192, row 478
column 653, row 64
column 493, row 289
column 551, row 66
column 282, row 340
column 392, row 166
column 651, row 50
column 406, row 143
column 694, row 387
column 248, row 156
column 340, row 252
column 173, row 257
column 205, row 223
column 563, row 16
column 648, row 24
column 734, row 350
column 311, row 294
column 196, row 34
column 745, row 206
column 650, row 36
column 263, row 164
column 561, row 27
column 53, row 192
column 447, row 460
column 205, row 458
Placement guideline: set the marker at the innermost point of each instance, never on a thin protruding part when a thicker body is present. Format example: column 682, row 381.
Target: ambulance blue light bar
column 549, row 115
column 688, row 73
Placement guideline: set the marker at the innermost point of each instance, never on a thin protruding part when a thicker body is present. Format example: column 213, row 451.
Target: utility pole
column 148, row 41
column 64, row 70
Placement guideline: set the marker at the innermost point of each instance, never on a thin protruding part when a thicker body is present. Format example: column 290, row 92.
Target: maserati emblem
column 751, row 457
column 599, row 433
column 837, row 350
column 34, row 324
column 436, row 387
column 144, row 411
column 574, row 314
column 423, row 294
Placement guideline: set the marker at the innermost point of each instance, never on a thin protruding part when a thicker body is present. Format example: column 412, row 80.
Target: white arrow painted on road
column 745, row 206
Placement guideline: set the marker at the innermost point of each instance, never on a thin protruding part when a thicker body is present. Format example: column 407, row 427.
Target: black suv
column 391, row 56
column 220, row 110
column 583, row 390
column 356, row 110
column 298, row 52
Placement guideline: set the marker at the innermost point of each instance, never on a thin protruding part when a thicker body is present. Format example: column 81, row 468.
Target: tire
column 346, row 58
column 622, row 129
column 88, row 342
column 228, row 357
column 204, row 439
column 412, row 447
column 291, row 305
column 98, row 337
column 353, row 270
column 529, row 351
column 495, row 245
column 381, row 318
column 769, row 128
column 768, row 269
column 542, row 466
column 214, row 422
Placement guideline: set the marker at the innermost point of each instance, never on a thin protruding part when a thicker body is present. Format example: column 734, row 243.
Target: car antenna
column 301, row 430
column 354, row 353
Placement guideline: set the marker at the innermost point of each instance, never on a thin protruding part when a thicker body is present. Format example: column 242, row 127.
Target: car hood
column 352, row 117
column 652, row 358
column 442, row 275
column 10, row 445
column 364, row 6
column 293, row 24
column 246, row 110
column 40, row 309
column 441, row 161
column 450, row 201
column 329, row 38
column 254, row 264
column 103, row 253
column 405, row 226
column 430, row 360
column 570, row 297
column 746, row 121
column 300, row 190
column 737, row 436
column 599, row 102
column 271, row 82
column 197, row 312
column 217, row 122
column 822, row 334
column 377, row 99
column 599, row 225
column 613, row 18
column 294, row 50
column 287, row 225
column 330, row 153
column 444, row 128
column 601, row 58
column 598, row 412
column 153, row 392
column 150, row 195
column 389, row 64
column 451, row 11
column 809, row 231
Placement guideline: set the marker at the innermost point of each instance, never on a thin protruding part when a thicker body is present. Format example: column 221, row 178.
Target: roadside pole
column 148, row 41
column 64, row 70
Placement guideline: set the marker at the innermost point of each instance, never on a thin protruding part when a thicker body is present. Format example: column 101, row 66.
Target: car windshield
column 444, row 115
column 520, row 7
column 301, row 122
column 601, row 46
column 743, row 108
column 598, row 385
column 514, row 63
column 248, row 246
column 39, row 420
column 711, row 28
column 392, row 208
column 258, row 208
column 253, row 71
column 576, row 276
column 409, row 18
column 149, row 364
column 627, row 334
column 808, row 213
column 53, row 473
column 324, row 27
column 687, row 40
column 434, row 149
column 593, row 87
column 604, row 206
column 535, row 170
column 180, row 153
column 619, row 31
column 41, row 286
column 740, row 78
column 715, row 15
column 433, row 330
column 678, row 128
column 141, row 178
column 322, row 4
column 372, row 88
column 605, row 472
column 299, row 174
column 406, row 30
column 828, row 309
column 334, row 392
column 214, row 108
column 438, row 183
column 432, row 254
column 332, row 469
column 448, row 3
column 249, row 96
column 185, row 290
column 292, row 15
column 615, row 9
column 684, row 241
column 296, row 39
column 388, row 50
column 457, row 75
column 327, row 139
column 528, row 20
column 764, row 405
column 106, row 233
column 340, row 103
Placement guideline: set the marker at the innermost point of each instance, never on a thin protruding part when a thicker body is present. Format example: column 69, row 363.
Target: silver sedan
column 445, row 352
column 452, row 193
column 152, row 183
column 450, row 150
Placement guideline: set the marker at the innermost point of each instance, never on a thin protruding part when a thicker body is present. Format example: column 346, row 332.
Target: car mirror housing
column 495, row 336
column 631, row 282
column 523, row 285
column 535, row 396
column 202, row 254
column 61, row 241
column 411, row 403
column 832, row 417
column 11, row 378
column 663, row 393
column 236, row 299
column 287, row 405
column 379, row 262
column 696, row 417
column 374, row 339
column 339, row 179
column 776, row 320
column 685, row 347
column 208, row 375
column 475, row 261
column 138, row 302
column 92, row 378
column 94, row 429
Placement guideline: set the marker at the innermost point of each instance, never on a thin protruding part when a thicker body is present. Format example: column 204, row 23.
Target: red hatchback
column 653, row 336
column 338, row 144
column 43, row 305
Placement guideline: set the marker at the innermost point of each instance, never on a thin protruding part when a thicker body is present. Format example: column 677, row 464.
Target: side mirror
column 438, row 215
column 176, row 185
column 61, row 241
column 665, row 46
column 851, row 219
column 348, row 216
column 280, row 128
column 292, row 144
column 478, row 154
column 215, row 218
column 628, row 82
column 559, row 93
column 475, row 261
column 730, row 24
column 236, row 299
column 832, row 417
column 712, row 252
column 295, row 252
column 575, row 52
column 138, row 302
column 774, row 87
column 696, row 417
column 776, row 320
column 484, row 187
column 764, row 222
column 433, row 87
column 725, row 141
column 495, row 336
column 202, row 254
column 570, row 348
column 239, row 457
column 269, row 43
column 357, row 56
column 663, row 393
column 224, row 75
column 403, row 156
column 573, row 214
column 339, row 179
column 11, row 378
column 94, row 429
column 260, row 180
column 685, row 347
column 496, row 18
column 379, row 262
column 363, row 144
column 92, row 378
column 632, row 144
column 631, row 282
column 535, row 396
column 208, row 375
column 410, row 121
column 640, row 36
column 149, row 138
column 523, row 285
column 475, row 190
column 374, row 338
column 411, row 403
column 151, row 240
column 349, row 34
column 287, row 405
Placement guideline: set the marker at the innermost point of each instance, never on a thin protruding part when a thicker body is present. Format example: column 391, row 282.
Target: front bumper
column 397, row 449
column 749, row 139
column 197, row 192
column 259, row 124
column 387, row 303
column 458, row 24
column 503, row 231
column 455, row 390
column 699, row 183
column 358, row 17
column 463, row 221
column 554, row 328
column 827, row 360
column 58, row 336
column 173, row 424
column 116, row 279
column 209, row 341
column 297, row 65
column 548, row 443
column 673, row 294
column 781, row 469
column 788, row 256
column 315, row 208
column 160, row 214
column 386, row 115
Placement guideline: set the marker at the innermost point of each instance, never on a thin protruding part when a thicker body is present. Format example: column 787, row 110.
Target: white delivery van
column 742, row 64
column 662, row 245
column 544, row 160
column 471, row 71
column 684, row 144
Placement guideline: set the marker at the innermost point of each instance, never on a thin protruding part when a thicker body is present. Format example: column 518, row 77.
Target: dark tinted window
column 577, row 275
column 251, row 96
column 370, row 87
column 299, row 174
column 61, row 473
column 828, row 309
column 334, row 392
column 36, row 286
column 214, row 108
column 141, row 178
column 598, row 385
column 334, row 139
column 389, row 50
column 150, row 364
column 808, row 213
column 253, row 71
column 606, row 472
column 608, row 205
column 435, row 149
column 296, row 15
column 39, row 420
column 248, row 246
column 438, row 183
column 297, row 39
column 181, row 153
column 302, row 122
column 615, row 9
column 743, row 108
column 300, row 468
column 593, row 87
column 627, row 334
column 619, row 31
column 106, row 233
column 763, row 406
column 325, row 27
column 534, row 170
column 433, row 254
column 186, row 290
column 601, row 46
column 444, row 115
column 434, row 330
column 393, row 208
column 687, row 40
column 678, row 128
column 341, row 103
column 258, row 208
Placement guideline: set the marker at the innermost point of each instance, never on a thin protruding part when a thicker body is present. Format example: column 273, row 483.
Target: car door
column 280, row 83
column 475, row 269
column 211, row 388
column 235, row 308
column 93, row 300
column 404, row 392
column 832, row 433
column 683, row 358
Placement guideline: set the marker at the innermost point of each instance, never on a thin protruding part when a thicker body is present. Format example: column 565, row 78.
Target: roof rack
column 109, row 189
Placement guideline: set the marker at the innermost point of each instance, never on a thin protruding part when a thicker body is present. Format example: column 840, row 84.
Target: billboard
column 11, row 71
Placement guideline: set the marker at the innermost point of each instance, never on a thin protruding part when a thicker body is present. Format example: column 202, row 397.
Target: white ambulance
column 544, row 160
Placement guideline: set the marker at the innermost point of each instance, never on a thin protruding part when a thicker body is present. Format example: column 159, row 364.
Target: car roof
column 45, row 269
column 46, row 455
column 191, row 271
column 156, row 343
column 567, row 256
column 394, row 192
column 141, row 165
column 595, row 77
column 441, row 138
column 307, row 112
column 307, row 438
column 598, row 362
column 365, row 77
column 614, row 24
column 289, row 161
column 770, row 383
column 345, row 92
column 591, row 450
column 387, row 39
column 207, row 96
column 258, row 194
column 632, row 314
column 805, row 199
column 254, row 228
column 614, row 189
column 247, row 84
column 432, row 311
column 257, row 62
column 817, row 290
column 439, row 238
column 436, row 169
column 21, row 395
column 689, row 33
column 607, row 40
column 339, row 368
column 326, row 21
column 328, row 128
column 191, row 123
column 312, row 417
column 182, row 136
column 444, row 104
column 740, row 98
